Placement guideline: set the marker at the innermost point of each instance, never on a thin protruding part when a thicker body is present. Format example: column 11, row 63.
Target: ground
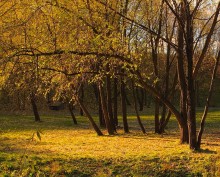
column 57, row 147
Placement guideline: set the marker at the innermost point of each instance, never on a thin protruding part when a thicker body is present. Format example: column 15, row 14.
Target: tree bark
column 70, row 106
column 115, row 102
column 191, row 103
column 156, row 116
column 124, row 108
column 109, row 102
column 140, row 98
column 81, row 98
column 34, row 107
column 181, row 74
column 108, row 123
column 136, row 110
column 95, row 127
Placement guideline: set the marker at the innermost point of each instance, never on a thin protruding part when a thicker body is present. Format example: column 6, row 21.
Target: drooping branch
column 72, row 52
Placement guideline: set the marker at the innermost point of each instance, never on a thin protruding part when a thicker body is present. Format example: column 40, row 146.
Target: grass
column 75, row 150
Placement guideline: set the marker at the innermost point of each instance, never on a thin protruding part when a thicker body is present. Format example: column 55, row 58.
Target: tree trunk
column 101, row 117
column 156, row 94
column 140, row 98
column 165, row 122
column 34, row 107
column 191, row 99
column 98, row 99
column 181, row 74
column 162, row 119
column 95, row 127
column 81, row 98
column 156, row 116
column 108, row 123
column 126, row 98
column 115, row 101
column 124, row 108
column 109, row 102
column 184, row 133
column 70, row 106
column 136, row 110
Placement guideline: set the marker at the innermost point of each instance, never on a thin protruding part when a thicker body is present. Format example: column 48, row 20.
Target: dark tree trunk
column 162, row 119
column 96, row 92
column 108, row 123
column 136, row 110
column 81, row 98
column 109, row 101
column 169, row 105
column 184, row 133
column 124, row 108
column 34, row 107
column 166, row 91
column 70, row 106
column 126, row 98
column 191, row 99
column 98, row 99
column 165, row 122
column 101, row 116
column 140, row 98
column 156, row 116
column 181, row 76
column 115, row 102
column 95, row 127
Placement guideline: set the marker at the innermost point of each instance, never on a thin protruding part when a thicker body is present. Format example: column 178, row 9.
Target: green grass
column 75, row 150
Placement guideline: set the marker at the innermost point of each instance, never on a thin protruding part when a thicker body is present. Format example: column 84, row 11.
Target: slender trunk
column 156, row 94
column 96, row 92
column 101, row 116
column 109, row 101
column 136, row 110
column 70, row 106
column 191, row 103
column 95, row 127
column 181, row 73
column 108, row 123
column 170, row 97
column 162, row 119
column 34, row 107
column 184, row 133
column 156, row 116
column 126, row 98
column 140, row 98
column 124, row 108
column 81, row 98
column 115, row 101
column 202, row 124
column 165, row 122
column 97, row 95
column 166, row 91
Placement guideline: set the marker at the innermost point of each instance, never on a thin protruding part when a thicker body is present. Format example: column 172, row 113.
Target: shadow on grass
column 206, row 151
column 86, row 167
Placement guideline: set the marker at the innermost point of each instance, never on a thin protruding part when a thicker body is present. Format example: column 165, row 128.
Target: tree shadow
column 206, row 151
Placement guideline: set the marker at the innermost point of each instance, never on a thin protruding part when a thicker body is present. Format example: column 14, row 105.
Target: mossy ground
column 66, row 149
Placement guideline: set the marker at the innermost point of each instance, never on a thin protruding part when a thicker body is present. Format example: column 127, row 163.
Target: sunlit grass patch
column 66, row 149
